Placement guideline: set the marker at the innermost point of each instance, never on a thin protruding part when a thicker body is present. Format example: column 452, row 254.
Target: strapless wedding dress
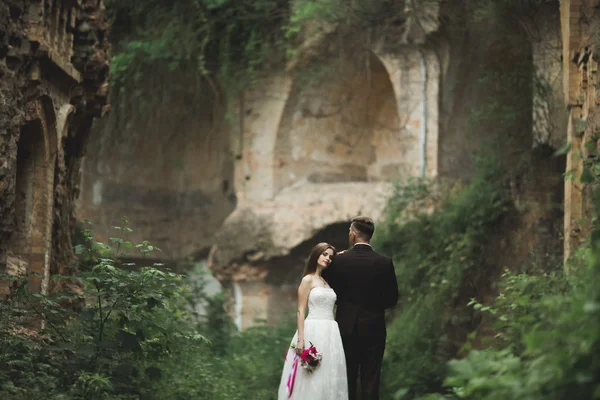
column 328, row 381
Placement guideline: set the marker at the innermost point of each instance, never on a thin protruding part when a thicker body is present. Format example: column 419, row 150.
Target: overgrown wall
column 53, row 83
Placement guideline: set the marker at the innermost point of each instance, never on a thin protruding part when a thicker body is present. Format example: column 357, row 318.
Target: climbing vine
column 223, row 41
column 230, row 43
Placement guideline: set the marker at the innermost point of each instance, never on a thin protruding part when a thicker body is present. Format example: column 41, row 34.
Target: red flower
column 305, row 356
column 310, row 358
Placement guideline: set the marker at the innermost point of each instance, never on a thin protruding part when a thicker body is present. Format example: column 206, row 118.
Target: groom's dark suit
column 365, row 284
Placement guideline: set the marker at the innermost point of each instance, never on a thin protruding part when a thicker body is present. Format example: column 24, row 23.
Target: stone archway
column 314, row 156
column 345, row 129
column 31, row 245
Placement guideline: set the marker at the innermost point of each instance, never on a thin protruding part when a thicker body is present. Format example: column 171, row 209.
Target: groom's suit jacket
column 365, row 284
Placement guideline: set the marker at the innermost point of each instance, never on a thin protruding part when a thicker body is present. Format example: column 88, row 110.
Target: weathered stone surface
column 549, row 113
column 296, row 159
column 275, row 227
column 580, row 56
column 171, row 175
column 50, row 100
column 315, row 156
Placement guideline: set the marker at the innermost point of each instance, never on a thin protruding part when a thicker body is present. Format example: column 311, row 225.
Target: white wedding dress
column 328, row 381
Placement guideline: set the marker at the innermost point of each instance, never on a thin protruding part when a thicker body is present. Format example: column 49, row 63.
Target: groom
column 365, row 284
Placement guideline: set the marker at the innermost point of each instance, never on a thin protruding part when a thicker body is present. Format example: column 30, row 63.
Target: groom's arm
column 329, row 275
column 390, row 289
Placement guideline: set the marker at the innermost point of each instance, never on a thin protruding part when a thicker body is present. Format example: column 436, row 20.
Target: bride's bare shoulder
column 307, row 280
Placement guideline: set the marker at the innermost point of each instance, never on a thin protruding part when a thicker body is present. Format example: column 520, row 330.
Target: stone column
column 415, row 76
column 260, row 119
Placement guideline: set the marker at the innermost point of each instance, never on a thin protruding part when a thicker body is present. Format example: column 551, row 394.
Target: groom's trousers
column 364, row 356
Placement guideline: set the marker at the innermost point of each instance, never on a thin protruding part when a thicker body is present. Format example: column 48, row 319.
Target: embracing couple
column 327, row 356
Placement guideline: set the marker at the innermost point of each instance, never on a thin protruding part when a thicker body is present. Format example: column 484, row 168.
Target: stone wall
column 311, row 156
column 344, row 130
column 297, row 160
column 171, row 175
column 485, row 91
column 580, row 27
column 53, row 83
column 442, row 90
column 549, row 113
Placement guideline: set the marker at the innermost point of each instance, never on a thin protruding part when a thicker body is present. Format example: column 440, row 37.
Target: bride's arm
column 303, row 291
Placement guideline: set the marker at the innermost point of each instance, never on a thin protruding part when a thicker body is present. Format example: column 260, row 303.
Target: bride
column 328, row 381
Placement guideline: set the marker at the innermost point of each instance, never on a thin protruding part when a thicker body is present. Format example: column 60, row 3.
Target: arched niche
column 30, row 247
column 345, row 129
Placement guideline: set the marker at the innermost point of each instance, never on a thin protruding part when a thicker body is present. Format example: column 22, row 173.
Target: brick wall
column 579, row 26
column 45, row 67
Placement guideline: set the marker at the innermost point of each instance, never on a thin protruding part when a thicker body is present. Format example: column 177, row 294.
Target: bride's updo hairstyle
column 311, row 264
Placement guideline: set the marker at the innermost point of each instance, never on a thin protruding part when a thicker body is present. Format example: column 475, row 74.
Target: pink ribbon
column 292, row 377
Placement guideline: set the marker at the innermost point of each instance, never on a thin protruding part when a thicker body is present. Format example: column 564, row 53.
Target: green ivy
column 224, row 41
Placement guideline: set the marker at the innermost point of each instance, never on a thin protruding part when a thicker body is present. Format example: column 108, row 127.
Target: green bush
column 433, row 254
column 550, row 331
column 135, row 338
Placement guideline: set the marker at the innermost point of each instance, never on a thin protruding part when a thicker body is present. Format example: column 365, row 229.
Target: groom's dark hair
column 364, row 227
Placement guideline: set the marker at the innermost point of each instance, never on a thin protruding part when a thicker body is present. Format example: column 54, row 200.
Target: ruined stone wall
column 169, row 173
column 580, row 28
column 549, row 113
column 301, row 167
column 53, row 82
column 442, row 89
column 501, row 88
column 345, row 130
column 296, row 161
column 476, row 90
column 310, row 157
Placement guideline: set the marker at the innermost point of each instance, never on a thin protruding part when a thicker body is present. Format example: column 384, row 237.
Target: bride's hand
column 300, row 347
column 341, row 252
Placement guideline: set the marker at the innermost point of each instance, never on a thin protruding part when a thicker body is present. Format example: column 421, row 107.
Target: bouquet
column 310, row 358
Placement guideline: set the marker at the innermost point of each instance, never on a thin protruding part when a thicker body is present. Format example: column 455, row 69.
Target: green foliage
column 522, row 306
column 434, row 253
column 218, row 48
column 540, row 335
column 136, row 337
column 549, row 352
column 228, row 40
column 590, row 174
column 309, row 11
column 548, row 326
